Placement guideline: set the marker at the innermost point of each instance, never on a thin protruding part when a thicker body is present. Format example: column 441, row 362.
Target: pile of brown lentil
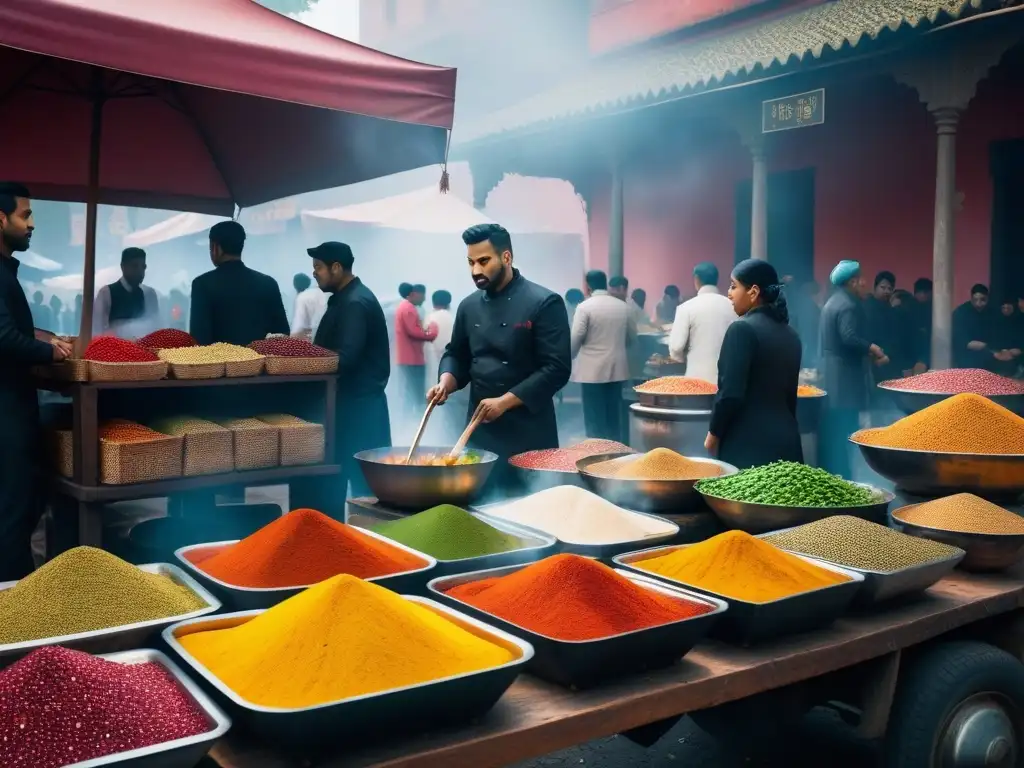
column 964, row 423
column 87, row 589
column 964, row 513
column 209, row 355
column 857, row 543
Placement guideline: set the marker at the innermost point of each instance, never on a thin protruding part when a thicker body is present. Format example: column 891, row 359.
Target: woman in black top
column 754, row 417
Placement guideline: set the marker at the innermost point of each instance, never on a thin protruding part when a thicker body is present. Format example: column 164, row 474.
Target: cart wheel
column 959, row 705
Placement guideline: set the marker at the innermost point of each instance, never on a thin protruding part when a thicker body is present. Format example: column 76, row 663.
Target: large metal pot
column 681, row 430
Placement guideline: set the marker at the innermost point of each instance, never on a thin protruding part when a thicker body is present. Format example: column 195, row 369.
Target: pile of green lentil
column 857, row 543
column 87, row 589
column 787, row 484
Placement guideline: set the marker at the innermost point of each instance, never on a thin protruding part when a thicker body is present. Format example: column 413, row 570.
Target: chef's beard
column 484, row 283
column 14, row 244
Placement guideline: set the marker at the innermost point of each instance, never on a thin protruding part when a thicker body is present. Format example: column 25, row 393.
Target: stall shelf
column 79, row 500
column 857, row 659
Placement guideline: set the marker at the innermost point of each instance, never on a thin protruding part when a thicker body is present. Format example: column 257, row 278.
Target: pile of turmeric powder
column 737, row 565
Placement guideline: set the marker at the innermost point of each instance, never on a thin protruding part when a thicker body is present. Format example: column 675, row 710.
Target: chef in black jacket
column 846, row 354
column 510, row 345
column 754, row 417
column 354, row 327
column 232, row 303
column 19, row 407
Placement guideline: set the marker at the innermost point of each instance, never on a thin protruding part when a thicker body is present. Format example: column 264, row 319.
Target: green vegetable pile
column 787, row 484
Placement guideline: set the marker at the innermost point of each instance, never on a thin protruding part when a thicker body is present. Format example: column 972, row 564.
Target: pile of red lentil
column 957, row 381
column 59, row 707
column 168, row 338
column 110, row 349
column 564, row 459
column 284, row 346
column 122, row 431
column 677, row 385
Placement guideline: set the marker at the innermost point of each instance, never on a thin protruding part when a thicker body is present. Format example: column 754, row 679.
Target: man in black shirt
column 19, row 425
column 354, row 327
column 232, row 303
column 510, row 345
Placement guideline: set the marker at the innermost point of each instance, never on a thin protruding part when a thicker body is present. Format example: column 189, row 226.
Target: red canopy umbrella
column 202, row 105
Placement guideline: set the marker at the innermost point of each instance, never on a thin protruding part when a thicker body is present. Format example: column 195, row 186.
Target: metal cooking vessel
column 999, row 476
column 414, row 487
column 675, row 496
column 761, row 518
column 681, row 430
column 985, row 551
column 911, row 401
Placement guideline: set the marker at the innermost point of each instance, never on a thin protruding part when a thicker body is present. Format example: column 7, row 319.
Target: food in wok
column 434, row 459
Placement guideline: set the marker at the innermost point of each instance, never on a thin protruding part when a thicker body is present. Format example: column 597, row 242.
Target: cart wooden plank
column 535, row 718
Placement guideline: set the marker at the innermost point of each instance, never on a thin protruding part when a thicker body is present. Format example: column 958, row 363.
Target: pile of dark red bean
column 168, row 338
column 59, row 707
column 956, row 381
column 564, row 459
column 285, row 346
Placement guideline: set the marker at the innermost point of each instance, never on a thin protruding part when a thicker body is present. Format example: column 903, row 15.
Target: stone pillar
column 945, row 78
column 616, row 224
column 759, row 202
column 943, row 237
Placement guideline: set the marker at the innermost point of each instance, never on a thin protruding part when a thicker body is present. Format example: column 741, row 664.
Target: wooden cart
column 933, row 676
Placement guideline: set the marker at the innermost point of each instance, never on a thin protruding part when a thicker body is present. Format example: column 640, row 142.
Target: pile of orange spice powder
column 301, row 548
column 965, row 423
column 569, row 597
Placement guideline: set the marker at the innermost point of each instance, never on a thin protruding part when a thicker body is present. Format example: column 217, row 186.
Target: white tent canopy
column 104, row 276
column 40, row 262
column 423, row 210
column 181, row 225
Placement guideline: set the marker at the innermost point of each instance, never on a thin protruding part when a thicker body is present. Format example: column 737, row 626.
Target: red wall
column 875, row 191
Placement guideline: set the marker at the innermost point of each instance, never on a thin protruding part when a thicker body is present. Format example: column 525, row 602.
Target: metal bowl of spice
column 660, row 480
column 991, row 536
column 677, row 392
column 785, row 494
column 538, row 470
column 640, row 623
column 810, row 401
column 965, row 443
column 914, row 393
column 770, row 592
column 90, row 600
column 424, row 484
column 892, row 563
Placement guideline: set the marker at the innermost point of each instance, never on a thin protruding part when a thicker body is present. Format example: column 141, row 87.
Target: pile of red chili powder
column 569, row 597
column 110, row 349
column 168, row 338
column 301, row 548
column 564, row 459
column 283, row 346
column 59, row 707
column 958, row 381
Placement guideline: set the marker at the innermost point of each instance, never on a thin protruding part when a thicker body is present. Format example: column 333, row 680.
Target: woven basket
column 243, row 368
column 208, row 447
column 128, row 463
column 61, row 448
column 302, row 366
column 257, row 444
column 68, row 370
column 302, row 442
column 197, row 370
column 127, row 371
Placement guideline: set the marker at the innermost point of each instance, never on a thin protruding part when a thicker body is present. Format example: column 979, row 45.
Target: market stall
column 151, row 105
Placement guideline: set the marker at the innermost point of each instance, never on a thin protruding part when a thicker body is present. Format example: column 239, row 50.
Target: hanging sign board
column 797, row 111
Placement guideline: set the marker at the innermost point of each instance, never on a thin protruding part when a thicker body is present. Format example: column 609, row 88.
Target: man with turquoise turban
column 845, row 356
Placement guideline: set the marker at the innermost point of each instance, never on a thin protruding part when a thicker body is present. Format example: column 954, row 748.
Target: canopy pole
column 91, row 213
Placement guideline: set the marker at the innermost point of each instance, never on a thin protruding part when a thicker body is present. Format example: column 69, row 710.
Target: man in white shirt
column 127, row 308
column 700, row 325
column 442, row 317
column 602, row 330
column 310, row 305
column 447, row 423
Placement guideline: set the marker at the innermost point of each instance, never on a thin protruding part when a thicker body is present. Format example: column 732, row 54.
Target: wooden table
column 535, row 718
column 79, row 500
